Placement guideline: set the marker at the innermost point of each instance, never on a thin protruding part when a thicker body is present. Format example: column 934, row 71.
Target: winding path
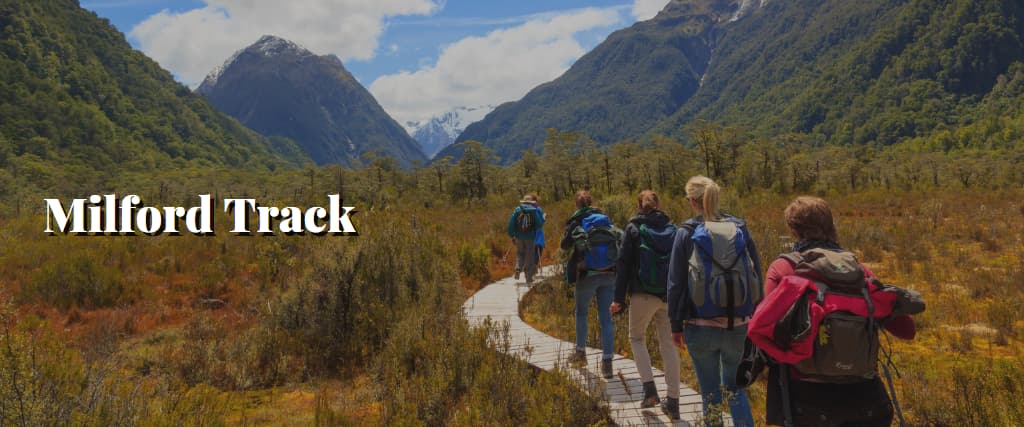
column 500, row 302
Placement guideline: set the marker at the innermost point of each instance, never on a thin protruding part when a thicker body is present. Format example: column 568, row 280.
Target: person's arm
column 776, row 271
column 678, row 276
column 540, row 217
column 567, row 242
column 752, row 249
column 902, row 326
column 625, row 268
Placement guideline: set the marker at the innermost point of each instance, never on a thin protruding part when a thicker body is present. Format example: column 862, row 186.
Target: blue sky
column 418, row 57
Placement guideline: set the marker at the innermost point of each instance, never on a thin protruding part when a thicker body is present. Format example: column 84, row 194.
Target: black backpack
column 654, row 253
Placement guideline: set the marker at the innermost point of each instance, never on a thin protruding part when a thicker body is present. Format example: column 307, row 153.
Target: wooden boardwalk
column 500, row 302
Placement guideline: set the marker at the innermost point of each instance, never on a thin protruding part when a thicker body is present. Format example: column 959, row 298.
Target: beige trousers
column 643, row 308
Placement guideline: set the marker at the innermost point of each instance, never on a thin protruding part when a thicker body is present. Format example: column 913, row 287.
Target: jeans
column 643, row 309
column 716, row 353
column 603, row 284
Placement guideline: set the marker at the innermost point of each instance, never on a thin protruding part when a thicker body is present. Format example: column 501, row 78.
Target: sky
column 419, row 58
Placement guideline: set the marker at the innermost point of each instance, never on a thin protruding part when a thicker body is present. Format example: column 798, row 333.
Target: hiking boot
column 606, row 369
column 578, row 358
column 671, row 407
column 516, row 277
column 650, row 396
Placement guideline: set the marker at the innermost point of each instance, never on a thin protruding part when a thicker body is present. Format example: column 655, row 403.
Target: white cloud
column 192, row 43
column 501, row 66
column 646, row 9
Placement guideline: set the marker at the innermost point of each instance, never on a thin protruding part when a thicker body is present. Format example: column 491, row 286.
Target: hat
column 529, row 198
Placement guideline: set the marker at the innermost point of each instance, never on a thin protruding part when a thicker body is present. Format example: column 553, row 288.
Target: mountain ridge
column 279, row 88
column 76, row 99
column 877, row 72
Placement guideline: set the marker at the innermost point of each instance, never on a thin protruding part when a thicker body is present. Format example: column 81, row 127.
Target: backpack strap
column 794, row 258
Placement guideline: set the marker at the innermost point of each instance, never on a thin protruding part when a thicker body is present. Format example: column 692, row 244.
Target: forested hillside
column 877, row 72
column 280, row 89
column 78, row 106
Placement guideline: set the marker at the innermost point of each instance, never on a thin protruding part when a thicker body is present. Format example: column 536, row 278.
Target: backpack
column 598, row 240
column 824, row 319
column 722, row 278
column 654, row 255
column 525, row 223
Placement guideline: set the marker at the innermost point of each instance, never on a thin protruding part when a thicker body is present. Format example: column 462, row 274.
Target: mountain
column 440, row 131
column 840, row 72
column 78, row 106
column 620, row 89
column 278, row 88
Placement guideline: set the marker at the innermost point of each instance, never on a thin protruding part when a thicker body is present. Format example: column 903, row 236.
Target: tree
column 719, row 145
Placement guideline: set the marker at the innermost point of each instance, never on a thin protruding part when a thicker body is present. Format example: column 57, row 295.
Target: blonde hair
column 647, row 202
column 704, row 189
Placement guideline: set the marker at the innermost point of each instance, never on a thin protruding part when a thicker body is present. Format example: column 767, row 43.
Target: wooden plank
column 499, row 301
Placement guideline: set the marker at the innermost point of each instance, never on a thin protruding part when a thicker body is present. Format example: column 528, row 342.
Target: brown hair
column 706, row 191
column 583, row 199
column 809, row 218
column 647, row 202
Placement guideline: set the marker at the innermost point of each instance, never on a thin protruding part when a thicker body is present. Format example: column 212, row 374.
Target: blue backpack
column 723, row 280
column 655, row 252
column 598, row 240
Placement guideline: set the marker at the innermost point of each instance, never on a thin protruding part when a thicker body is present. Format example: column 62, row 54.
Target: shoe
column 671, row 407
column 578, row 358
column 517, row 274
column 650, row 396
column 606, row 369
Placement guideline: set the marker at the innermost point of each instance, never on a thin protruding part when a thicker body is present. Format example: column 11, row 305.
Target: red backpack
column 824, row 319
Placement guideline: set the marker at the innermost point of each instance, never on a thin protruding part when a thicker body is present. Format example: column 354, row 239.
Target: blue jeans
column 716, row 353
column 603, row 285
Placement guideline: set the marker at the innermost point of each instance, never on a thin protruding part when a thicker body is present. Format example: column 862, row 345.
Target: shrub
column 80, row 280
column 473, row 262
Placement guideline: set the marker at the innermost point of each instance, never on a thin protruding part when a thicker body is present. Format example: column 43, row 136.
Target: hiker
column 593, row 242
column 643, row 274
column 526, row 221
column 813, row 401
column 712, row 251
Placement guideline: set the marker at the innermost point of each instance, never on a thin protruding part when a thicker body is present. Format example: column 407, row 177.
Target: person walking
column 643, row 274
column 713, row 286
column 523, row 225
column 814, row 400
column 593, row 242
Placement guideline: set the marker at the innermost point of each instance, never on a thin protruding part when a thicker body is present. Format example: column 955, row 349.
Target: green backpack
column 654, row 255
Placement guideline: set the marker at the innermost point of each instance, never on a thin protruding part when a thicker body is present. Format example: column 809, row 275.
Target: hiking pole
column 787, row 410
column 887, row 351
column 504, row 258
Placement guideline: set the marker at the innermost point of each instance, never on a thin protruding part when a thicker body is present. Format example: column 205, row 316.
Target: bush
column 80, row 280
column 473, row 263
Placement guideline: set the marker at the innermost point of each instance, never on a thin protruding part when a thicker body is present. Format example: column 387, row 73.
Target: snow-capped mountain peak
column 440, row 131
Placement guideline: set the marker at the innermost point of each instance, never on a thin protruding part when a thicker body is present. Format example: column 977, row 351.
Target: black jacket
column 627, row 281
